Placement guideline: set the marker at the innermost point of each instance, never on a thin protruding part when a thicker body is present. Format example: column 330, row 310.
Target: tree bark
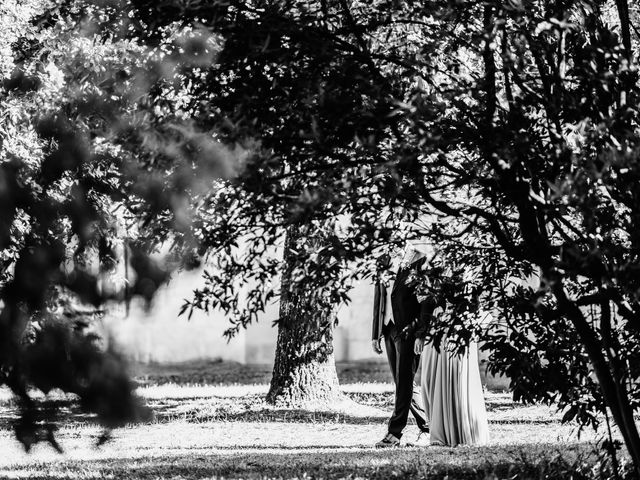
column 614, row 391
column 304, row 373
column 622, row 6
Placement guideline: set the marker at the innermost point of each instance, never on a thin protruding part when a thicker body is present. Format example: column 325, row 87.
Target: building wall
column 160, row 335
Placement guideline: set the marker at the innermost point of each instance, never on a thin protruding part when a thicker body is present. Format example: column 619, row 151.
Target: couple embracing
column 449, row 403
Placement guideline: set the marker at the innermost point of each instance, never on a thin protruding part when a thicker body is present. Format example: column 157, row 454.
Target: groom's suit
column 409, row 314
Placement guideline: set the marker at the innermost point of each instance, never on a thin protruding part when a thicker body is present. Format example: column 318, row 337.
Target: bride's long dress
column 453, row 397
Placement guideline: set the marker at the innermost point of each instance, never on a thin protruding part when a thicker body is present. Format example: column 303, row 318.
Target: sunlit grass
column 229, row 431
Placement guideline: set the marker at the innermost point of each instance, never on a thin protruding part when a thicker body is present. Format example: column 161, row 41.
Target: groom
column 396, row 315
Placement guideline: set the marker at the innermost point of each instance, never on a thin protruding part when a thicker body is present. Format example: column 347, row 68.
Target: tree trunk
column 625, row 26
column 614, row 391
column 304, row 373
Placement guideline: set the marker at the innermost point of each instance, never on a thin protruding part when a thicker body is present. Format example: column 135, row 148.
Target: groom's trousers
column 404, row 363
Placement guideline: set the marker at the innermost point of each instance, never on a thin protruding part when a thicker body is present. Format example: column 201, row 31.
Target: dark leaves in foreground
column 78, row 362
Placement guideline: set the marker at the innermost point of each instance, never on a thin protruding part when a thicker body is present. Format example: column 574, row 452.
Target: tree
column 91, row 159
column 304, row 370
column 543, row 136
column 298, row 96
column 514, row 125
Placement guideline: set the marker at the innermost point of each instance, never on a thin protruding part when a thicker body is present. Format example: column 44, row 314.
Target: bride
column 452, row 392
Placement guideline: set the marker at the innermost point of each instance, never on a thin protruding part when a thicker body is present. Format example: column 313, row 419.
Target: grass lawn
column 211, row 422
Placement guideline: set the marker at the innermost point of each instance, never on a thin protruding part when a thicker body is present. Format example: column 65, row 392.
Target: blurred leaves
column 100, row 166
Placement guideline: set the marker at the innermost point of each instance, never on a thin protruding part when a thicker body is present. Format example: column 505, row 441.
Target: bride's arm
column 427, row 306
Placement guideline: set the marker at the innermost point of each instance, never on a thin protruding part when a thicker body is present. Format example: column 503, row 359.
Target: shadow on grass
column 306, row 416
column 56, row 411
column 216, row 372
column 251, row 409
column 525, row 461
column 272, row 415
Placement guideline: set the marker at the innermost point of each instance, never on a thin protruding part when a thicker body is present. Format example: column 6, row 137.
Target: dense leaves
column 98, row 167
column 504, row 133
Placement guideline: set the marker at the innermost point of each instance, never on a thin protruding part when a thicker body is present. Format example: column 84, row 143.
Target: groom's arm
column 375, row 331
column 379, row 295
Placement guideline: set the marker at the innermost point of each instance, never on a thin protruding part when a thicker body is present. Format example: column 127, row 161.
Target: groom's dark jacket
column 410, row 315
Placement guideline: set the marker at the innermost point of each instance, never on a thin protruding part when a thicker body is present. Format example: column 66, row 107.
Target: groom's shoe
column 389, row 441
